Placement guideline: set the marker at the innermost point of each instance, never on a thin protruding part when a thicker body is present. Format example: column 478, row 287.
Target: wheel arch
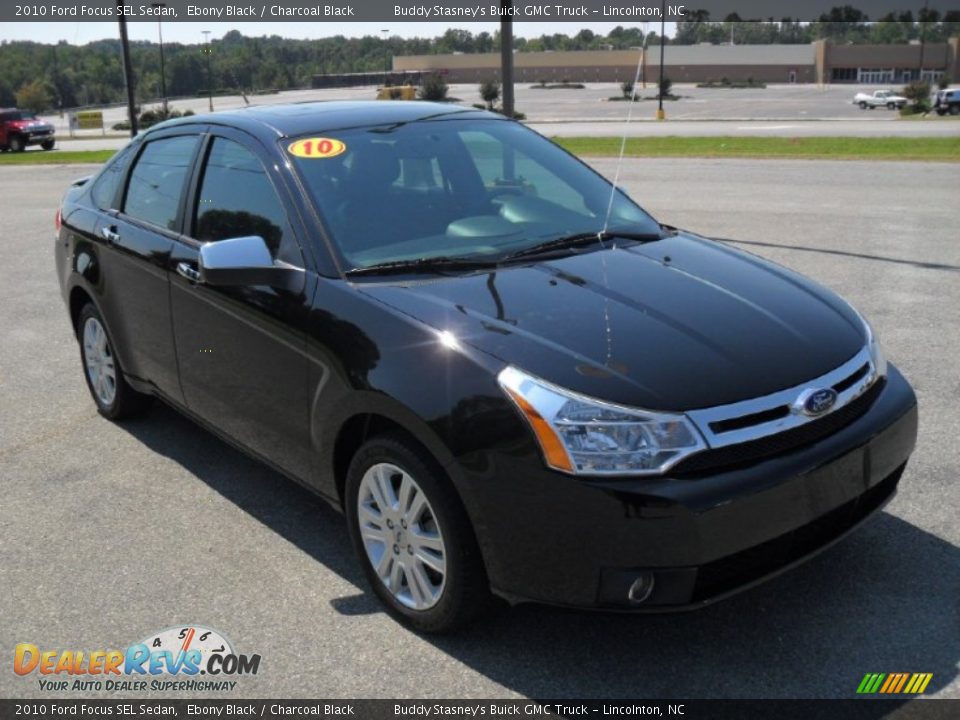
column 79, row 297
column 360, row 427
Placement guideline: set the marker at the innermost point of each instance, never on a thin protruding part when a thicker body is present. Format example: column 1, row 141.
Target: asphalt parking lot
column 778, row 110
column 111, row 532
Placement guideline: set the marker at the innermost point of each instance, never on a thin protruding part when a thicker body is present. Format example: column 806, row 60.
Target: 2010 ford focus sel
column 511, row 378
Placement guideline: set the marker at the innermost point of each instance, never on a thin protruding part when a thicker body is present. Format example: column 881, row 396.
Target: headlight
column 583, row 436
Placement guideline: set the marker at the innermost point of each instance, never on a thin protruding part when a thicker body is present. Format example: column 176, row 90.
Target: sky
column 79, row 33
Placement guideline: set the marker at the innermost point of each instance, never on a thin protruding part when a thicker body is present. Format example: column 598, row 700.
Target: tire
column 955, row 109
column 891, row 106
column 435, row 529
column 47, row 144
column 17, row 144
column 863, row 105
column 111, row 393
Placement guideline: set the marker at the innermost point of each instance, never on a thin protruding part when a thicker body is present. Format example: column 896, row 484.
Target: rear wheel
column 955, row 109
column 413, row 536
column 17, row 144
column 891, row 106
column 114, row 397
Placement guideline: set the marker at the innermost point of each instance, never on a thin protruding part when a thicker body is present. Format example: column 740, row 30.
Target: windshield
column 19, row 115
column 477, row 188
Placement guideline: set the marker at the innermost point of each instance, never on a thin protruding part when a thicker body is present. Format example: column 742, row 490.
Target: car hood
column 677, row 324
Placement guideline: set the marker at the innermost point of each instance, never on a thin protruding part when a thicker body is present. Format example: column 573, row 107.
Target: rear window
column 104, row 192
column 17, row 115
column 157, row 180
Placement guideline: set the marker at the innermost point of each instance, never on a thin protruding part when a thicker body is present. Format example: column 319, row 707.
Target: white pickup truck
column 879, row 98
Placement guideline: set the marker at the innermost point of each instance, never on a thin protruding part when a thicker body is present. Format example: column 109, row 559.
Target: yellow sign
column 89, row 120
column 318, row 147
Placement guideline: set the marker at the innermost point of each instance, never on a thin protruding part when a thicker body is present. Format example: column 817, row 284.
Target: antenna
column 623, row 145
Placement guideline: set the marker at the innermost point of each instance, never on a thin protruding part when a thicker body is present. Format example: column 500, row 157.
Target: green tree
column 490, row 92
column 918, row 93
column 434, row 88
column 665, row 85
column 34, row 96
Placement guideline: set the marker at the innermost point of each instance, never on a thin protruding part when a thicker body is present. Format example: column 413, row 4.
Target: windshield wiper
column 424, row 264
column 578, row 239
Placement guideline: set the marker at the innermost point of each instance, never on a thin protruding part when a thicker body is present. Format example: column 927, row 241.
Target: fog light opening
column 641, row 589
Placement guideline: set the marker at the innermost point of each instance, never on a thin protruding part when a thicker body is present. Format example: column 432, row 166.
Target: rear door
column 137, row 240
column 242, row 350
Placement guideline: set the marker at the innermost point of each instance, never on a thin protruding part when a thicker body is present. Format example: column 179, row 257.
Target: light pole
column 127, row 69
column 923, row 36
column 660, row 114
column 163, row 74
column 506, row 57
column 207, row 49
column 386, row 56
column 643, row 58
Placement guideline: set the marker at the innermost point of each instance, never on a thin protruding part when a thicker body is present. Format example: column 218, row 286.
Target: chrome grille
column 757, row 418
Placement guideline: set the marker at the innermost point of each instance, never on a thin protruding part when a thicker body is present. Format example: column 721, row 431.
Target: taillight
column 58, row 219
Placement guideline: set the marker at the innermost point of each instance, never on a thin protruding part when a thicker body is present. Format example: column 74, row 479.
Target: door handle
column 110, row 234
column 188, row 271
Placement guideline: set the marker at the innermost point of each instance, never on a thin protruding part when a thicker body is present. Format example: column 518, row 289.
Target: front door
column 242, row 350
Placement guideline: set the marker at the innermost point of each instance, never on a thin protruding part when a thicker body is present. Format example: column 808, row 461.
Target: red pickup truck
column 20, row 128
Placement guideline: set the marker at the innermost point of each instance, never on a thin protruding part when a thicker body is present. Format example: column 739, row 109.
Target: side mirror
column 246, row 261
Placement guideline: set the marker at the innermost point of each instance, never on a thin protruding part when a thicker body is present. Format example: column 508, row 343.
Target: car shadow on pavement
column 886, row 599
column 845, row 253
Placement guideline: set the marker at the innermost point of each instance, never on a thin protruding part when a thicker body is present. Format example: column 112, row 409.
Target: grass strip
column 941, row 149
column 56, row 157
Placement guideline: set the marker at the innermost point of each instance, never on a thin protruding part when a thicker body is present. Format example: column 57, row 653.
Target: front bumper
column 552, row 538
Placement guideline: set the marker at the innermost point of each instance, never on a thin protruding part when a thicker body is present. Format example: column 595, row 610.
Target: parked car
column 508, row 376
column 21, row 128
column 879, row 98
column 947, row 101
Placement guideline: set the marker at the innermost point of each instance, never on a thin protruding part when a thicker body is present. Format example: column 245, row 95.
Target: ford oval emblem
column 816, row 401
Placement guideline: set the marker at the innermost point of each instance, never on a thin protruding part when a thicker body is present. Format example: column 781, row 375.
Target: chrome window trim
column 702, row 418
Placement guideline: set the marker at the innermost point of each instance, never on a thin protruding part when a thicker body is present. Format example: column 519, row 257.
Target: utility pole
column 506, row 55
column 208, row 50
column 127, row 69
column 163, row 74
column 661, row 115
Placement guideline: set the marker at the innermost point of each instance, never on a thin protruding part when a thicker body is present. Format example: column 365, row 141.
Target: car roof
column 291, row 120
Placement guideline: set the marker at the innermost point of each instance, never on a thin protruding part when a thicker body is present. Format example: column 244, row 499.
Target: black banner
column 858, row 709
column 459, row 11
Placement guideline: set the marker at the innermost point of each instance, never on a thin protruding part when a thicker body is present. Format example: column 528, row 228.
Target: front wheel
column 863, row 105
column 47, row 144
column 955, row 109
column 891, row 106
column 114, row 397
column 413, row 536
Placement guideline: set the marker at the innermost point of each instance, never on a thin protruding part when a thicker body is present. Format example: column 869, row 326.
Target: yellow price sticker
column 316, row 148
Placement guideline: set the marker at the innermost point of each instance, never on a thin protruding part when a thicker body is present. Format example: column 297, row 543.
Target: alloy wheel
column 99, row 362
column 401, row 536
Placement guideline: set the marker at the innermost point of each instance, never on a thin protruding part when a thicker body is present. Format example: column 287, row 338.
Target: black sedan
column 511, row 379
